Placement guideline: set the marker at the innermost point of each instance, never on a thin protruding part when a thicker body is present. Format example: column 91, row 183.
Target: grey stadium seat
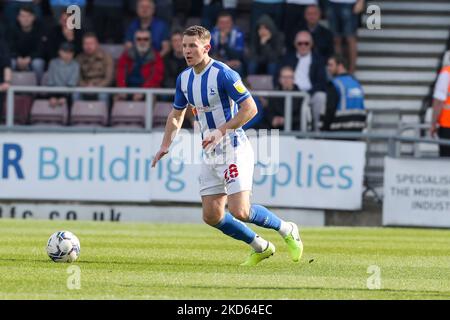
column 160, row 113
column 115, row 50
column 260, row 81
column 24, row 78
column 128, row 114
column 42, row 113
column 89, row 113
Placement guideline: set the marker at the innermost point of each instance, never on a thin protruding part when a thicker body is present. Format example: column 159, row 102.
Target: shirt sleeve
column 180, row 102
column 232, row 84
column 441, row 87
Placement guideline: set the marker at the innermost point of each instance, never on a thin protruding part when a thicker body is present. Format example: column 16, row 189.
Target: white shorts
column 230, row 174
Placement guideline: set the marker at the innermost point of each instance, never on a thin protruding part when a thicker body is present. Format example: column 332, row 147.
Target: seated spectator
column 5, row 73
column 108, row 20
column 310, row 74
column 61, row 33
column 146, row 20
column 26, row 42
column 345, row 99
column 140, row 66
column 60, row 6
column 322, row 37
column 266, row 49
column 275, row 111
column 63, row 71
column 96, row 67
column 227, row 42
column 294, row 19
column 12, row 7
column 174, row 62
column 343, row 21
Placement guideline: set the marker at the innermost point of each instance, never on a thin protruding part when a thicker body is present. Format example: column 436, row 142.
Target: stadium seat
column 128, row 114
column 42, row 113
column 115, row 50
column 22, row 107
column 160, row 113
column 260, row 81
column 24, row 78
column 89, row 113
column 193, row 21
column 44, row 80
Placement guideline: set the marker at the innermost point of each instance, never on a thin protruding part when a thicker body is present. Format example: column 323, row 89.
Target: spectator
column 5, row 73
column 60, row 6
column 12, row 7
column 266, row 49
column 275, row 112
column 61, row 33
column 310, row 74
column 294, row 19
column 174, row 62
column 96, row 67
column 157, row 27
column 140, row 67
column 108, row 20
column 345, row 99
column 343, row 20
column 63, row 71
column 273, row 8
column 441, row 108
column 322, row 37
column 227, row 42
column 26, row 42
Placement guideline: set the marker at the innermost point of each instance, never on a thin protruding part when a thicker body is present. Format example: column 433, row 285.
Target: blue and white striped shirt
column 214, row 95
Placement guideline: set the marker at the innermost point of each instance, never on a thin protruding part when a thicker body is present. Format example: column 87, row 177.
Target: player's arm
column 173, row 125
column 246, row 112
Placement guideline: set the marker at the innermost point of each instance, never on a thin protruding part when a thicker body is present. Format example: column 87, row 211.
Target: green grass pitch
column 182, row 261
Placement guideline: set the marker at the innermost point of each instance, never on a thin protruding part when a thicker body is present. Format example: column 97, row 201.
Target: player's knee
column 211, row 220
column 241, row 214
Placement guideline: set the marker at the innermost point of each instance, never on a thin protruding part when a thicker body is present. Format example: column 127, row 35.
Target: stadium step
column 393, row 105
column 408, row 8
column 416, row 48
column 387, row 91
column 412, row 21
column 402, row 34
column 396, row 77
column 392, row 63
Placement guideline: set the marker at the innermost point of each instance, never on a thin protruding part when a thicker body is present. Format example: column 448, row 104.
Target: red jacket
column 152, row 70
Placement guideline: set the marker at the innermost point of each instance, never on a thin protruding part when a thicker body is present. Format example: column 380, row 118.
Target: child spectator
column 63, row 71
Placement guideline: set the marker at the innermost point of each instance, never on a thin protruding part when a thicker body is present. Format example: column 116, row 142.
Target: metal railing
column 149, row 100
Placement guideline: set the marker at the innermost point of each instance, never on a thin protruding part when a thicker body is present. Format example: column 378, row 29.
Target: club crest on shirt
column 239, row 86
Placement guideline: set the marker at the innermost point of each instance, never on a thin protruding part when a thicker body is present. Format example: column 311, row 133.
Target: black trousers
column 444, row 133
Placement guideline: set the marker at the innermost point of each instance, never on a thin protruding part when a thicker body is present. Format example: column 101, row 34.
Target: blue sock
column 262, row 217
column 236, row 229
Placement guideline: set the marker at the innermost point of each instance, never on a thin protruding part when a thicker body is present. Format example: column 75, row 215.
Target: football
column 63, row 246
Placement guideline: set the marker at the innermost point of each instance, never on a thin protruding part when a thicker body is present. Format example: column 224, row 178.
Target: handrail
column 149, row 94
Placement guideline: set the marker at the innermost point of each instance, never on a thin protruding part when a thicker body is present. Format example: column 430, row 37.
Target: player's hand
column 358, row 7
column 212, row 139
column 161, row 153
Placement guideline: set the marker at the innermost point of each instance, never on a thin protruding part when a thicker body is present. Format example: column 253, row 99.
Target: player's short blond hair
column 198, row 31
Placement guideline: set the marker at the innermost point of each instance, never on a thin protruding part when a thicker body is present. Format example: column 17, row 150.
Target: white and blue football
column 63, row 246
